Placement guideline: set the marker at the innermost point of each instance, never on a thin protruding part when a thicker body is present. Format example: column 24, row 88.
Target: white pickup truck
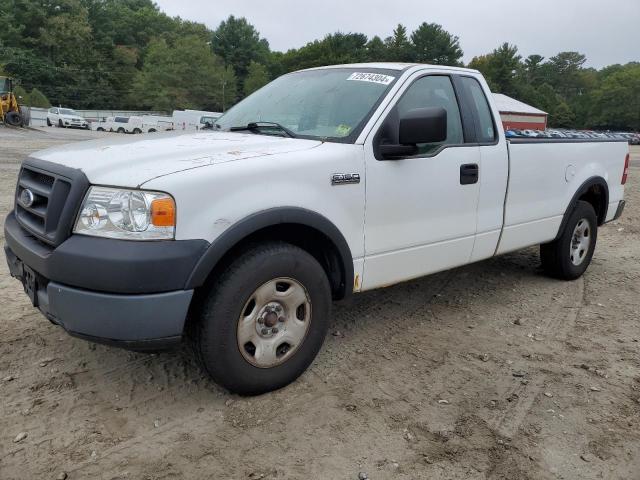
column 325, row 182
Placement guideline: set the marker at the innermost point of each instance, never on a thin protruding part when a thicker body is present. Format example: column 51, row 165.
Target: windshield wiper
column 257, row 126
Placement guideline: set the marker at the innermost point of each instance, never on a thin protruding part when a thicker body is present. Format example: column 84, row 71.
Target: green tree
column 183, row 75
column 238, row 43
column 616, row 103
column 534, row 69
column 22, row 95
column 257, row 77
column 502, row 68
column 62, row 34
column 433, row 44
column 565, row 73
column 376, row 50
column 398, row 46
column 333, row 49
column 38, row 99
column 562, row 116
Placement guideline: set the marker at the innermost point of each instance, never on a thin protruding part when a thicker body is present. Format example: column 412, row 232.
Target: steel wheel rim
column 580, row 242
column 274, row 322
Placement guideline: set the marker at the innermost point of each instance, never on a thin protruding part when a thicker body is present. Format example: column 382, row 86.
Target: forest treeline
column 128, row 54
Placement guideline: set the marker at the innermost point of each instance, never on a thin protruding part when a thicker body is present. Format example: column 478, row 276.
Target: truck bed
column 544, row 176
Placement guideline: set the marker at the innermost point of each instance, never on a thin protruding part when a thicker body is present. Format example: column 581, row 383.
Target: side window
column 486, row 130
column 434, row 91
column 54, row 110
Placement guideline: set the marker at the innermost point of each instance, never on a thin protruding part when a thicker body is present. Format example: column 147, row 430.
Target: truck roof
column 393, row 66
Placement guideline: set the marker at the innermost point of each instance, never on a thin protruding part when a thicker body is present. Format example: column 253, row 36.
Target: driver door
column 421, row 211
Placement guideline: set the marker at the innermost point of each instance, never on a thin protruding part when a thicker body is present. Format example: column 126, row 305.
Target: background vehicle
column 114, row 124
column 193, row 119
column 66, row 118
column 9, row 108
column 134, row 125
column 272, row 220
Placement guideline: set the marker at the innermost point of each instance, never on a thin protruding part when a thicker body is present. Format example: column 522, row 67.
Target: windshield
column 67, row 111
column 332, row 104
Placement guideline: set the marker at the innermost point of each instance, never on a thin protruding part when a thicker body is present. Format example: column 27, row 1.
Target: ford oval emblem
column 27, row 198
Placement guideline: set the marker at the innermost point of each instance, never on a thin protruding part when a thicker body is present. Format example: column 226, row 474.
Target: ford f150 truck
column 323, row 183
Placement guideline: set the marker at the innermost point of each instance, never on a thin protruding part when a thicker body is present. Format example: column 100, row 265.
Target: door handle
column 469, row 174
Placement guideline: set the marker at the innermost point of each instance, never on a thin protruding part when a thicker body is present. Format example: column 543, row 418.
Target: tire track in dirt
column 559, row 320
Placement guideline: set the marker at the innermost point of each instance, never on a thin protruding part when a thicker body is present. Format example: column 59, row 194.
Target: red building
column 518, row 115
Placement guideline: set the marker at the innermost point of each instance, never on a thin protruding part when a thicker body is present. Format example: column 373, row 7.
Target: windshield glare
column 331, row 104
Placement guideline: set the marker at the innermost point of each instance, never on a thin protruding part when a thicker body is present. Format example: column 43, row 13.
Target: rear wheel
column 100, row 129
column 264, row 320
column 570, row 255
column 121, row 130
column 137, row 130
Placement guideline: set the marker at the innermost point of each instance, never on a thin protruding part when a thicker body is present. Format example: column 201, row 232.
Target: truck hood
column 130, row 162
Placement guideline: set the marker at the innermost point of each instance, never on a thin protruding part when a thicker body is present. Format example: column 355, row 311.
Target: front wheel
column 49, row 124
column 569, row 256
column 60, row 124
column 121, row 130
column 14, row 119
column 264, row 319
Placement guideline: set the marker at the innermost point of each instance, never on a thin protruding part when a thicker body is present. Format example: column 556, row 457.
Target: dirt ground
column 488, row 371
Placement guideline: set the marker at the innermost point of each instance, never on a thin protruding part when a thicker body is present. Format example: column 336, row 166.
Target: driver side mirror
column 421, row 125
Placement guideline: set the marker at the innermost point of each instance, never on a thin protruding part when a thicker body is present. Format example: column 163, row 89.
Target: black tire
column 14, row 119
column 137, row 131
column 556, row 256
column 100, row 129
column 121, row 130
column 49, row 124
column 214, row 335
column 152, row 130
column 60, row 124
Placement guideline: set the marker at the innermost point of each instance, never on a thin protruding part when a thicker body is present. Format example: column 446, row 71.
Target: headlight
column 127, row 214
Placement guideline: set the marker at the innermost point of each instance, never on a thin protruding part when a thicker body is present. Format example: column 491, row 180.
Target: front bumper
column 123, row 293
column 72, row 123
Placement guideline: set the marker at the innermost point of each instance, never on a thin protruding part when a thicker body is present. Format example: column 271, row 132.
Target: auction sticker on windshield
column 371, row 77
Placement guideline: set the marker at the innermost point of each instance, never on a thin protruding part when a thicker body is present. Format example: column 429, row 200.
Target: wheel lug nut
column 281, row 319
column 274, row 330
column 265, row 331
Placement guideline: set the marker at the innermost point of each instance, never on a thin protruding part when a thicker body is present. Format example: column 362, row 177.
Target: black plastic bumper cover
column 146, row 321
column 124, row 293
column 107, row 265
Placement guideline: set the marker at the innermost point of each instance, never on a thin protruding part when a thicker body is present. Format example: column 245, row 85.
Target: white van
column 193, row 119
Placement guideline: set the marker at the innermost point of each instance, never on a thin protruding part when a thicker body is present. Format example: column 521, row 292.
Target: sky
column 606, row 31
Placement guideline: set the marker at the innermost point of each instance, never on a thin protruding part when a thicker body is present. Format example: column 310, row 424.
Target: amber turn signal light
column 163, row 212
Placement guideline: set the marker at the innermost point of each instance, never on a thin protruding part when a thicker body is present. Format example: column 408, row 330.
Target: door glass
column 434, row 91
column 487, row 131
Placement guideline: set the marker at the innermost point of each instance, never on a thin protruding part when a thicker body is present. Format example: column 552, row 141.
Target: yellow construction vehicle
column 9, row 109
